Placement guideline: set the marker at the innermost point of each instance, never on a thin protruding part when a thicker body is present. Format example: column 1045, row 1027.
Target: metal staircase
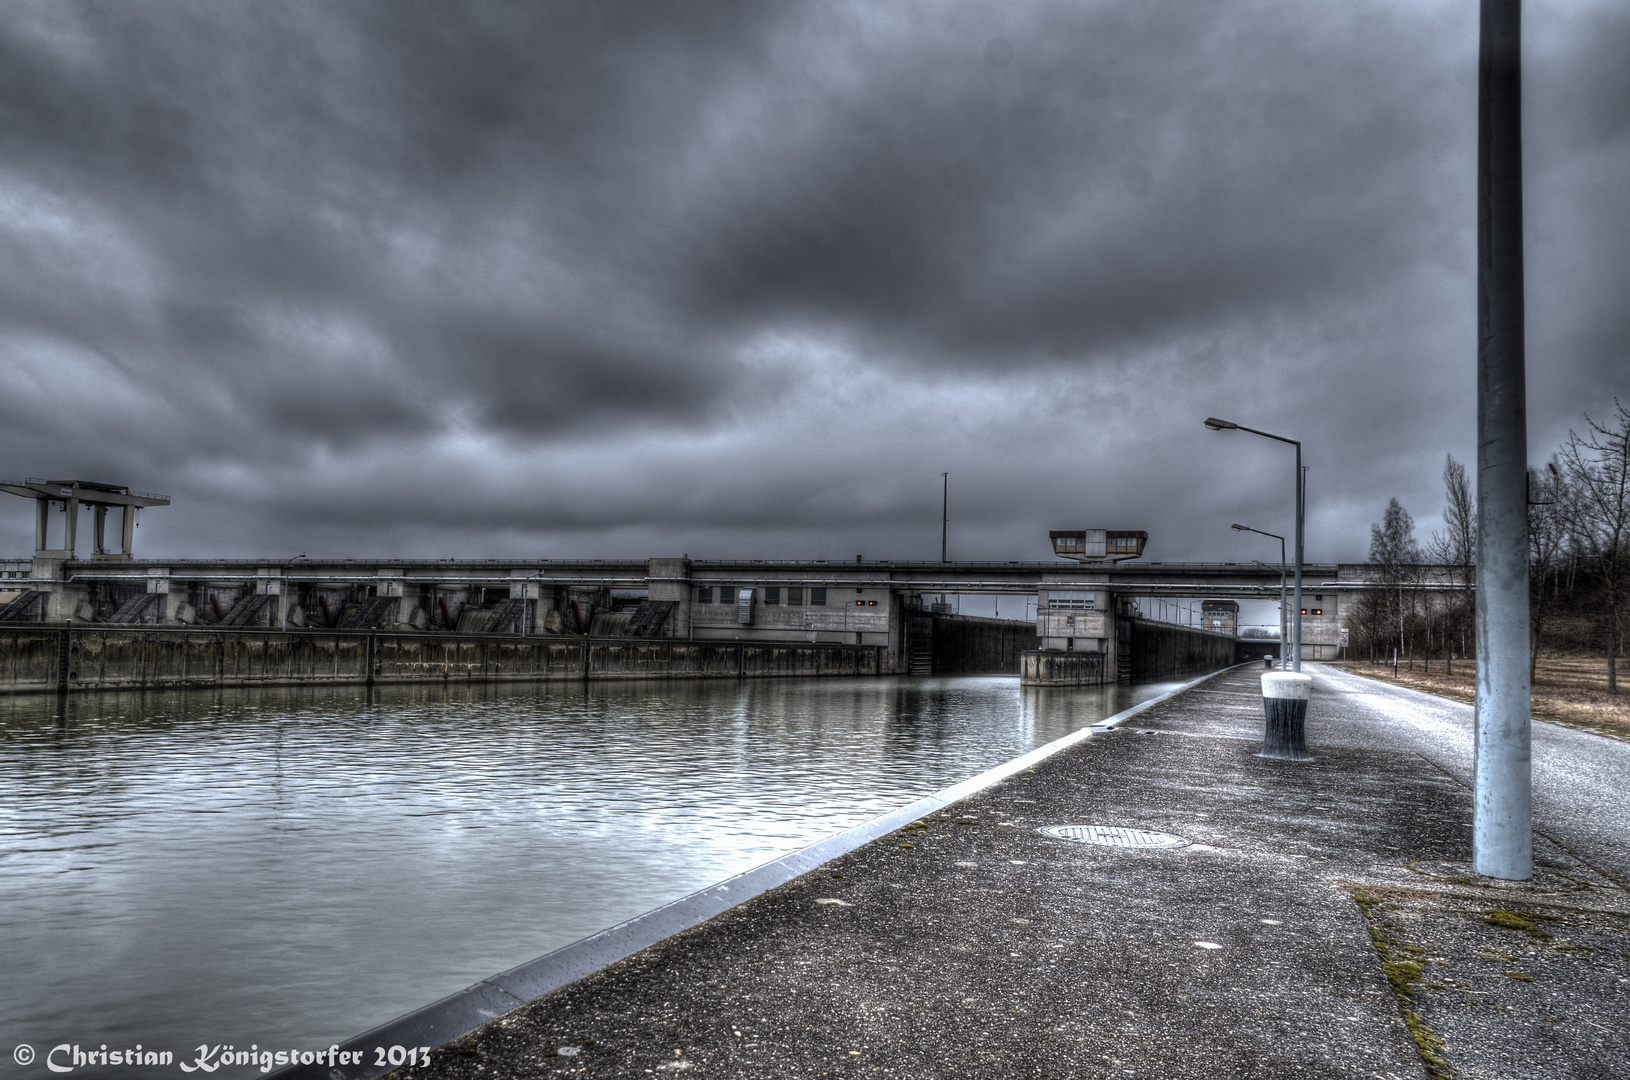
column 505, row 617
column 649, row 618
column 369, row 614
column 247, row 611
column 138, row 609
column 21, row 606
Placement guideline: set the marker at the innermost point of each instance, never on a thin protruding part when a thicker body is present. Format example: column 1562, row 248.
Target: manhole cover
column 1113, row 836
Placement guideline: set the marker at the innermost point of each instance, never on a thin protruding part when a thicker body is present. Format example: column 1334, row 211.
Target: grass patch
column 1403, row 973
column 1516, row 920
column 1427, row 1044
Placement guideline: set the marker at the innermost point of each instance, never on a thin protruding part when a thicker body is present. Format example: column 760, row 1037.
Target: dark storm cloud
column 1577, row 132
column 1129, row 173
column 536, row 377
column 745, row 277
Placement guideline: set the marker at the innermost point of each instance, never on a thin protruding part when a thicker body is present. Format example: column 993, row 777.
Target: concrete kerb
column 461, row 1013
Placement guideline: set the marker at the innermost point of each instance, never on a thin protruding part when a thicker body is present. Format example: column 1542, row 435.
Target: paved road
column 1581, row 780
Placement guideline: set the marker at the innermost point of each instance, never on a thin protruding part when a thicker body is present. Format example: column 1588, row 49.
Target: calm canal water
column 291, row 867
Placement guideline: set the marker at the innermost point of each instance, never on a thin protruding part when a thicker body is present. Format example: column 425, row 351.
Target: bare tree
column 1548, row 539
column 1395, row 553
column 1598, row 473
column 1456, row 546
column 1460, row 516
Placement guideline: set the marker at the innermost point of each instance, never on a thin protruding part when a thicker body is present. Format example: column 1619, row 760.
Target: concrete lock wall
column 32, row 660
column 1160, row 650
column 969, row 645
column 1154, row 651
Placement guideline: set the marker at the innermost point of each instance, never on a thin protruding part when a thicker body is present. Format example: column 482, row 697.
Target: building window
column 795, row 595
column 704, row 594
column 817, row 597
column 772, row 594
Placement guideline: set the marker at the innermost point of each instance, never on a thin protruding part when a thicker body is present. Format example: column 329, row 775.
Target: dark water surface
column 290, row 867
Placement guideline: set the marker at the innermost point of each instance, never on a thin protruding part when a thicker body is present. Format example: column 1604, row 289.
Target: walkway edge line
column 461, row 1013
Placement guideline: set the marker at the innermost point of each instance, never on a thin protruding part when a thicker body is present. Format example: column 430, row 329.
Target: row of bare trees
column 1422, row 604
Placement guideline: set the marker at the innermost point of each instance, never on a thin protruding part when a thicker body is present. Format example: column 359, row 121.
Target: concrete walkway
column 1322, row 923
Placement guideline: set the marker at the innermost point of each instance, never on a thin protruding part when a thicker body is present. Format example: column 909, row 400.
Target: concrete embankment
column 97, row 658
column 1319, row 921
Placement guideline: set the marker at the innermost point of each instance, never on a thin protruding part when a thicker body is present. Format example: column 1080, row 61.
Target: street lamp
column 1284, row 655
column 1301, row 505
column 1188, row 609
column 1284, row 659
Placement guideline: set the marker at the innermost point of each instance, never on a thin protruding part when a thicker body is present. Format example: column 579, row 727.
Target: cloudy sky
column 742, row 279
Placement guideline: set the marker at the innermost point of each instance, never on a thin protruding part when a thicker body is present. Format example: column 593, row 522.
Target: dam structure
column 114, row 620
column 237, row 621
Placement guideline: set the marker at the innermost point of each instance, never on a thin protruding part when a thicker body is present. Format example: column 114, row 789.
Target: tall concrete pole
column 1284, row 611
column 1296, row 604
column 1502, row 797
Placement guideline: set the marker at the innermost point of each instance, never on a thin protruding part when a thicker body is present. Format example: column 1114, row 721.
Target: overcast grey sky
column 742, row 279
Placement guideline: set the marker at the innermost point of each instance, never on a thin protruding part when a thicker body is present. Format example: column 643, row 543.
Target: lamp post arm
column 1270, row 435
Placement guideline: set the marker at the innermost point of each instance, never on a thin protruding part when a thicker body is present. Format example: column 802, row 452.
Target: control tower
column 1077, row 616
column 1098, row 545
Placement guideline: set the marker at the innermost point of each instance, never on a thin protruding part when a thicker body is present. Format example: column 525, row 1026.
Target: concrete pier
column 1040, row 668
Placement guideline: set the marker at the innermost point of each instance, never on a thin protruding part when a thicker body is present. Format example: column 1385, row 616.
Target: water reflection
column 292, row 866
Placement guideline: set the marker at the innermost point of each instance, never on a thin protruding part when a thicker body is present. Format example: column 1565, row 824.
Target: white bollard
column 1285, row 696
